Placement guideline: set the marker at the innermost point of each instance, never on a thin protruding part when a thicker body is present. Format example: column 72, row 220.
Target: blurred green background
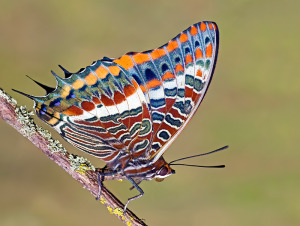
column 252, row 105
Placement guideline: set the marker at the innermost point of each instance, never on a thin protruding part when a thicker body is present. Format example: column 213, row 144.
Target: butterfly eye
column 163, row 171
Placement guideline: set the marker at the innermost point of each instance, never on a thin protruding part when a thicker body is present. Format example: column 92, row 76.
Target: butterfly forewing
column 175, row 78
column 199, row 47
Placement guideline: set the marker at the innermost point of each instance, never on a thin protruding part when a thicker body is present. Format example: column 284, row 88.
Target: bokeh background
column 252, row 105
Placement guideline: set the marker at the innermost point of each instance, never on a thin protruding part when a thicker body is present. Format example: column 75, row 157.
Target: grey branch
column 78, row 167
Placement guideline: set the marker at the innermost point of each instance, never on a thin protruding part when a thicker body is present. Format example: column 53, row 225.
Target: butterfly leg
column 100, row 177
column 137, row 182
column 135, row 197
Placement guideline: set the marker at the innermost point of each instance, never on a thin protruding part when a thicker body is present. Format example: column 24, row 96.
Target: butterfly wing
column 138, row 103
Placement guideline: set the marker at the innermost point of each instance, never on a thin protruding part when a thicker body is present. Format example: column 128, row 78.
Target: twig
column 78, row 167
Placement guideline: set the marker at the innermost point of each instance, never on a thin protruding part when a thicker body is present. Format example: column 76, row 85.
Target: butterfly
column 127, row 111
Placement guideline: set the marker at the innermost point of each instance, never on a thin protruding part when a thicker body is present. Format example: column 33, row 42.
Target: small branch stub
column 78, row 167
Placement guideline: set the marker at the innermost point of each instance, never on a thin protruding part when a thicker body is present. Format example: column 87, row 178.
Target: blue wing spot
column 155, row 146
column 164, row 68
column 197, row 44
column 173, row 121
column 207, row 40
column 93, row 119
column 177, row 59
column 180, row 107
column 115, row 130
column 200, row 62
column 157, row 103
column 150, row 75
column 164, row 135
column 181, row 92
column 198, row 85
column 187, row 50
column 71, row 95
column 142, row 145
column 187, row 107
column 55, row 102
column 137, row 79
column 125, row 137
column 43, row 109
column 171, row 92
column 189, row 80
column 157, row 116
column 207, row 63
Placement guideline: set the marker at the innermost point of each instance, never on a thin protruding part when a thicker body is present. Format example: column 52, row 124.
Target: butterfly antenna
column 46, row 88
column 217, row 166
column 193, row 156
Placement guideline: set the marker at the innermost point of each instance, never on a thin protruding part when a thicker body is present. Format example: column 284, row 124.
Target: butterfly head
column 164, row 169
column 164, row 172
